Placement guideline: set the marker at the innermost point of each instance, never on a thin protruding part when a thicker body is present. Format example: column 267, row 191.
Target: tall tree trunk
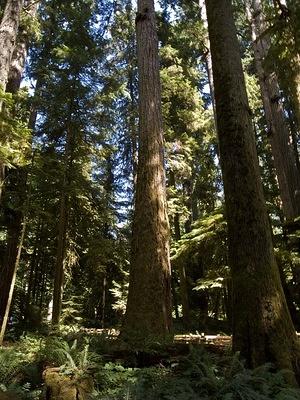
column 182, row 273
column 262, row 326
column 60, row 258
column 279, row 136
column 62, row 233
column 208, row 62
column 148, row 313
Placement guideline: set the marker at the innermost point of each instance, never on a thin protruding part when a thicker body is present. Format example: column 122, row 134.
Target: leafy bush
column 200, row 375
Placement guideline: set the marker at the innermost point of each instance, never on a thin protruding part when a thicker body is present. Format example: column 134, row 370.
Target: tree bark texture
column 262, row 326
column 285, row 162
column 148, row 313
column 293, row 9
column 19, row 55
column 8, row 35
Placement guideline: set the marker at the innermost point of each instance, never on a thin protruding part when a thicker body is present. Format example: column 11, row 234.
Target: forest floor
column 90, row 364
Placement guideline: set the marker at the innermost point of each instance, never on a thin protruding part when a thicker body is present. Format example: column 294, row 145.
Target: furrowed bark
column 148, row 313
column 262, row 327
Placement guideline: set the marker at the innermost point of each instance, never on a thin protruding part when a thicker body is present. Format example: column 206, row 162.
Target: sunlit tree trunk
column 19, row 55
column 148, row 313
column 262, row 326
column 8, row 36
column 278, row 133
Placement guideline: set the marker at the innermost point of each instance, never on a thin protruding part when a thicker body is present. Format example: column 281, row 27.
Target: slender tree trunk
column 208, row 62
column 294, row 132
column 12, row 284
column 7, row 271
column 63, row 226
column 148, row 313
column 285, row 162
column 133, row 128
column 262, row 326
column 103, row 301
column 60, row 258
column 293, row 21
column 182, row 272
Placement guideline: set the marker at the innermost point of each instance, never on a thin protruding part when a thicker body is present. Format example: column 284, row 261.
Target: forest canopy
column 150, row 189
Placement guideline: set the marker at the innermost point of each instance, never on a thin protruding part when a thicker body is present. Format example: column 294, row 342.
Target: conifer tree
column 8, row 35
column 278, row 133
column 262, row 327
column 148, row 313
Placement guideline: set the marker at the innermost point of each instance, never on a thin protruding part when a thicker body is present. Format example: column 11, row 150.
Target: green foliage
column 71, row 311
column 15, row 359
column 14, row 131
column 208, row 240
column 120, row 293
column 73, row 359
column 198, row 376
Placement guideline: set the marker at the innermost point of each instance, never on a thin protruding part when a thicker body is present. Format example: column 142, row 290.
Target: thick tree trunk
column 8, row 35
column 279, row 136
column 148, row 313
column 19, row 55
column 262, row 326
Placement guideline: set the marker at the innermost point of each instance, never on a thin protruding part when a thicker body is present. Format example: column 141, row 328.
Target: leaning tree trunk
column 14, row 226
column 285, row 162
column 262, row 326
column 12, row 284
column 148, row 313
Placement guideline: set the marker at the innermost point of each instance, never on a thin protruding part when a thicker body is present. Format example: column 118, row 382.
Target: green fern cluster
column 198, row 376
column 74, row 359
